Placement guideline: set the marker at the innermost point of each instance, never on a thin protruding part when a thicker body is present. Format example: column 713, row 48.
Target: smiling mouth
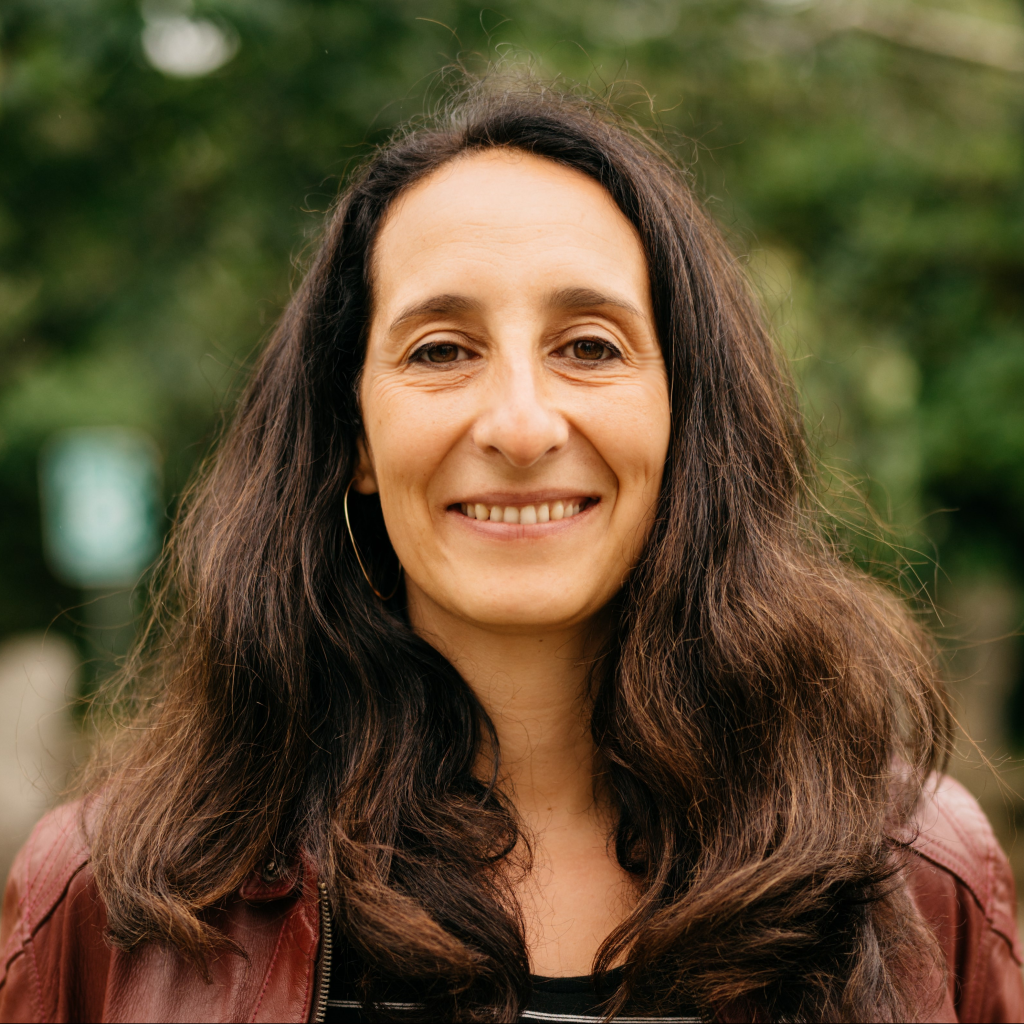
column 526, row 515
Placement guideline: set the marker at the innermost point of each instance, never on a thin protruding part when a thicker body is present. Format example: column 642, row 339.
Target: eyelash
column 613, row 351
column 420, row 355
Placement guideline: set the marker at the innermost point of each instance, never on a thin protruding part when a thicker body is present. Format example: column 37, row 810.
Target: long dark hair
column 765, row 716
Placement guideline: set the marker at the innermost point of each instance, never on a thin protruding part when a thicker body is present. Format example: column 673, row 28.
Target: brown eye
column 589, row 349
column 442, row 353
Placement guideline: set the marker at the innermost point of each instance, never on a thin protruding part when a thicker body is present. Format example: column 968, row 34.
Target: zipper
column 324, row 972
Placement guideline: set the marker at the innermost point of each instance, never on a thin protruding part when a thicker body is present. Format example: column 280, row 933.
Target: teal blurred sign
column 100, row 491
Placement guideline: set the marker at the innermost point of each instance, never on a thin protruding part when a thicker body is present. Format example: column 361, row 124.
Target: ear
column 365, row 478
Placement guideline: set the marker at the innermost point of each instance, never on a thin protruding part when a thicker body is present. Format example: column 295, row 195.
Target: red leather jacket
column 57, row 967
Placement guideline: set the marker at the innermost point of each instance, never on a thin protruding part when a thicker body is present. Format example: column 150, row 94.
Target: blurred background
column 164, row 166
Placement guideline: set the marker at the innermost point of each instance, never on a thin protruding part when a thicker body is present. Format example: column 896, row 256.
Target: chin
column 527, row 611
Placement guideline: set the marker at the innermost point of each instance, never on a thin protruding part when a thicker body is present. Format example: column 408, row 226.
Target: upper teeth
column 528, row 515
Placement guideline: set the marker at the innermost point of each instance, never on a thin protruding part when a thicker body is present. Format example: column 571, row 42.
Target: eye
column 591, row 350
column 439, row 352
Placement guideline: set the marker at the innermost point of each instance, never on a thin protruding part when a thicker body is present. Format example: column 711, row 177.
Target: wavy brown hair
column 765, row 714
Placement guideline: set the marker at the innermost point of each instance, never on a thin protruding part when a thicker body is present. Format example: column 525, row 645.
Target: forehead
column 509, row 216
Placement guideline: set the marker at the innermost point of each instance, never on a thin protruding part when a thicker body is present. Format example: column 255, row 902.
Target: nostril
column 522, row 435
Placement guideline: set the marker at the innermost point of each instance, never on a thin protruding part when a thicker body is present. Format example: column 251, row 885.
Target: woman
column 500, row 670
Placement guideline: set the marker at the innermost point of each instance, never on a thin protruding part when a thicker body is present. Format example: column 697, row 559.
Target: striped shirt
column 554, row 1001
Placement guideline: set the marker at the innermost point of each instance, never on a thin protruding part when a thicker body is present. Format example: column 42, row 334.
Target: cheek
column 409, row 437
column 632, row 436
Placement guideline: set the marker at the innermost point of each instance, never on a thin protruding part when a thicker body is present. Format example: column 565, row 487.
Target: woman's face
column 514, row 396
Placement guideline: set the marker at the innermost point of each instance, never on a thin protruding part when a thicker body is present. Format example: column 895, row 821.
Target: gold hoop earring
column 355, row 549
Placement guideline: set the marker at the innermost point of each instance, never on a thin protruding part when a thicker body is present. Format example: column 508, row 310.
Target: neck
column 532, row 684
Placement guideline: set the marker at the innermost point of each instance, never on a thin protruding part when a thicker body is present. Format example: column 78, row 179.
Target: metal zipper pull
column 324, row 973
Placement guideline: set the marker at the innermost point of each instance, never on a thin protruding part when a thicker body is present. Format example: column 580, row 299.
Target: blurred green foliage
column 865, row 156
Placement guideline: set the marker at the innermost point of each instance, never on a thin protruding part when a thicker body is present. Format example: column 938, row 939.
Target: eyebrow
column 564, row 298
column 436, row 305
column 588, row 298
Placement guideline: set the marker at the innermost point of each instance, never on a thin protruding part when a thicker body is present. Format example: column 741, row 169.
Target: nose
column 518, row 421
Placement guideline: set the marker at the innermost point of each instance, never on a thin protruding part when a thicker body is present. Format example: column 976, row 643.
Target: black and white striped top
column 554, row 1001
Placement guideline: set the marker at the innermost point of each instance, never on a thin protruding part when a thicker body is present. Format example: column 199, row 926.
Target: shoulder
column 52, row 913
column 56, row 963
column 953, row 835
column 961, row 883
column 56, row 851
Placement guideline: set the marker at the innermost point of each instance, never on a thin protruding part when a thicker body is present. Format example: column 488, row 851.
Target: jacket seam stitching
column 964, row 837
column 32, row 926
column 32, row 885
column 15, row 944
column 30, row 955
column 1005, row 934
column 309, row 975
column 970, row 1011
column 32, row 877
column 958, row 873
column 962, row 867
column 34, row 897
column 273, row 960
